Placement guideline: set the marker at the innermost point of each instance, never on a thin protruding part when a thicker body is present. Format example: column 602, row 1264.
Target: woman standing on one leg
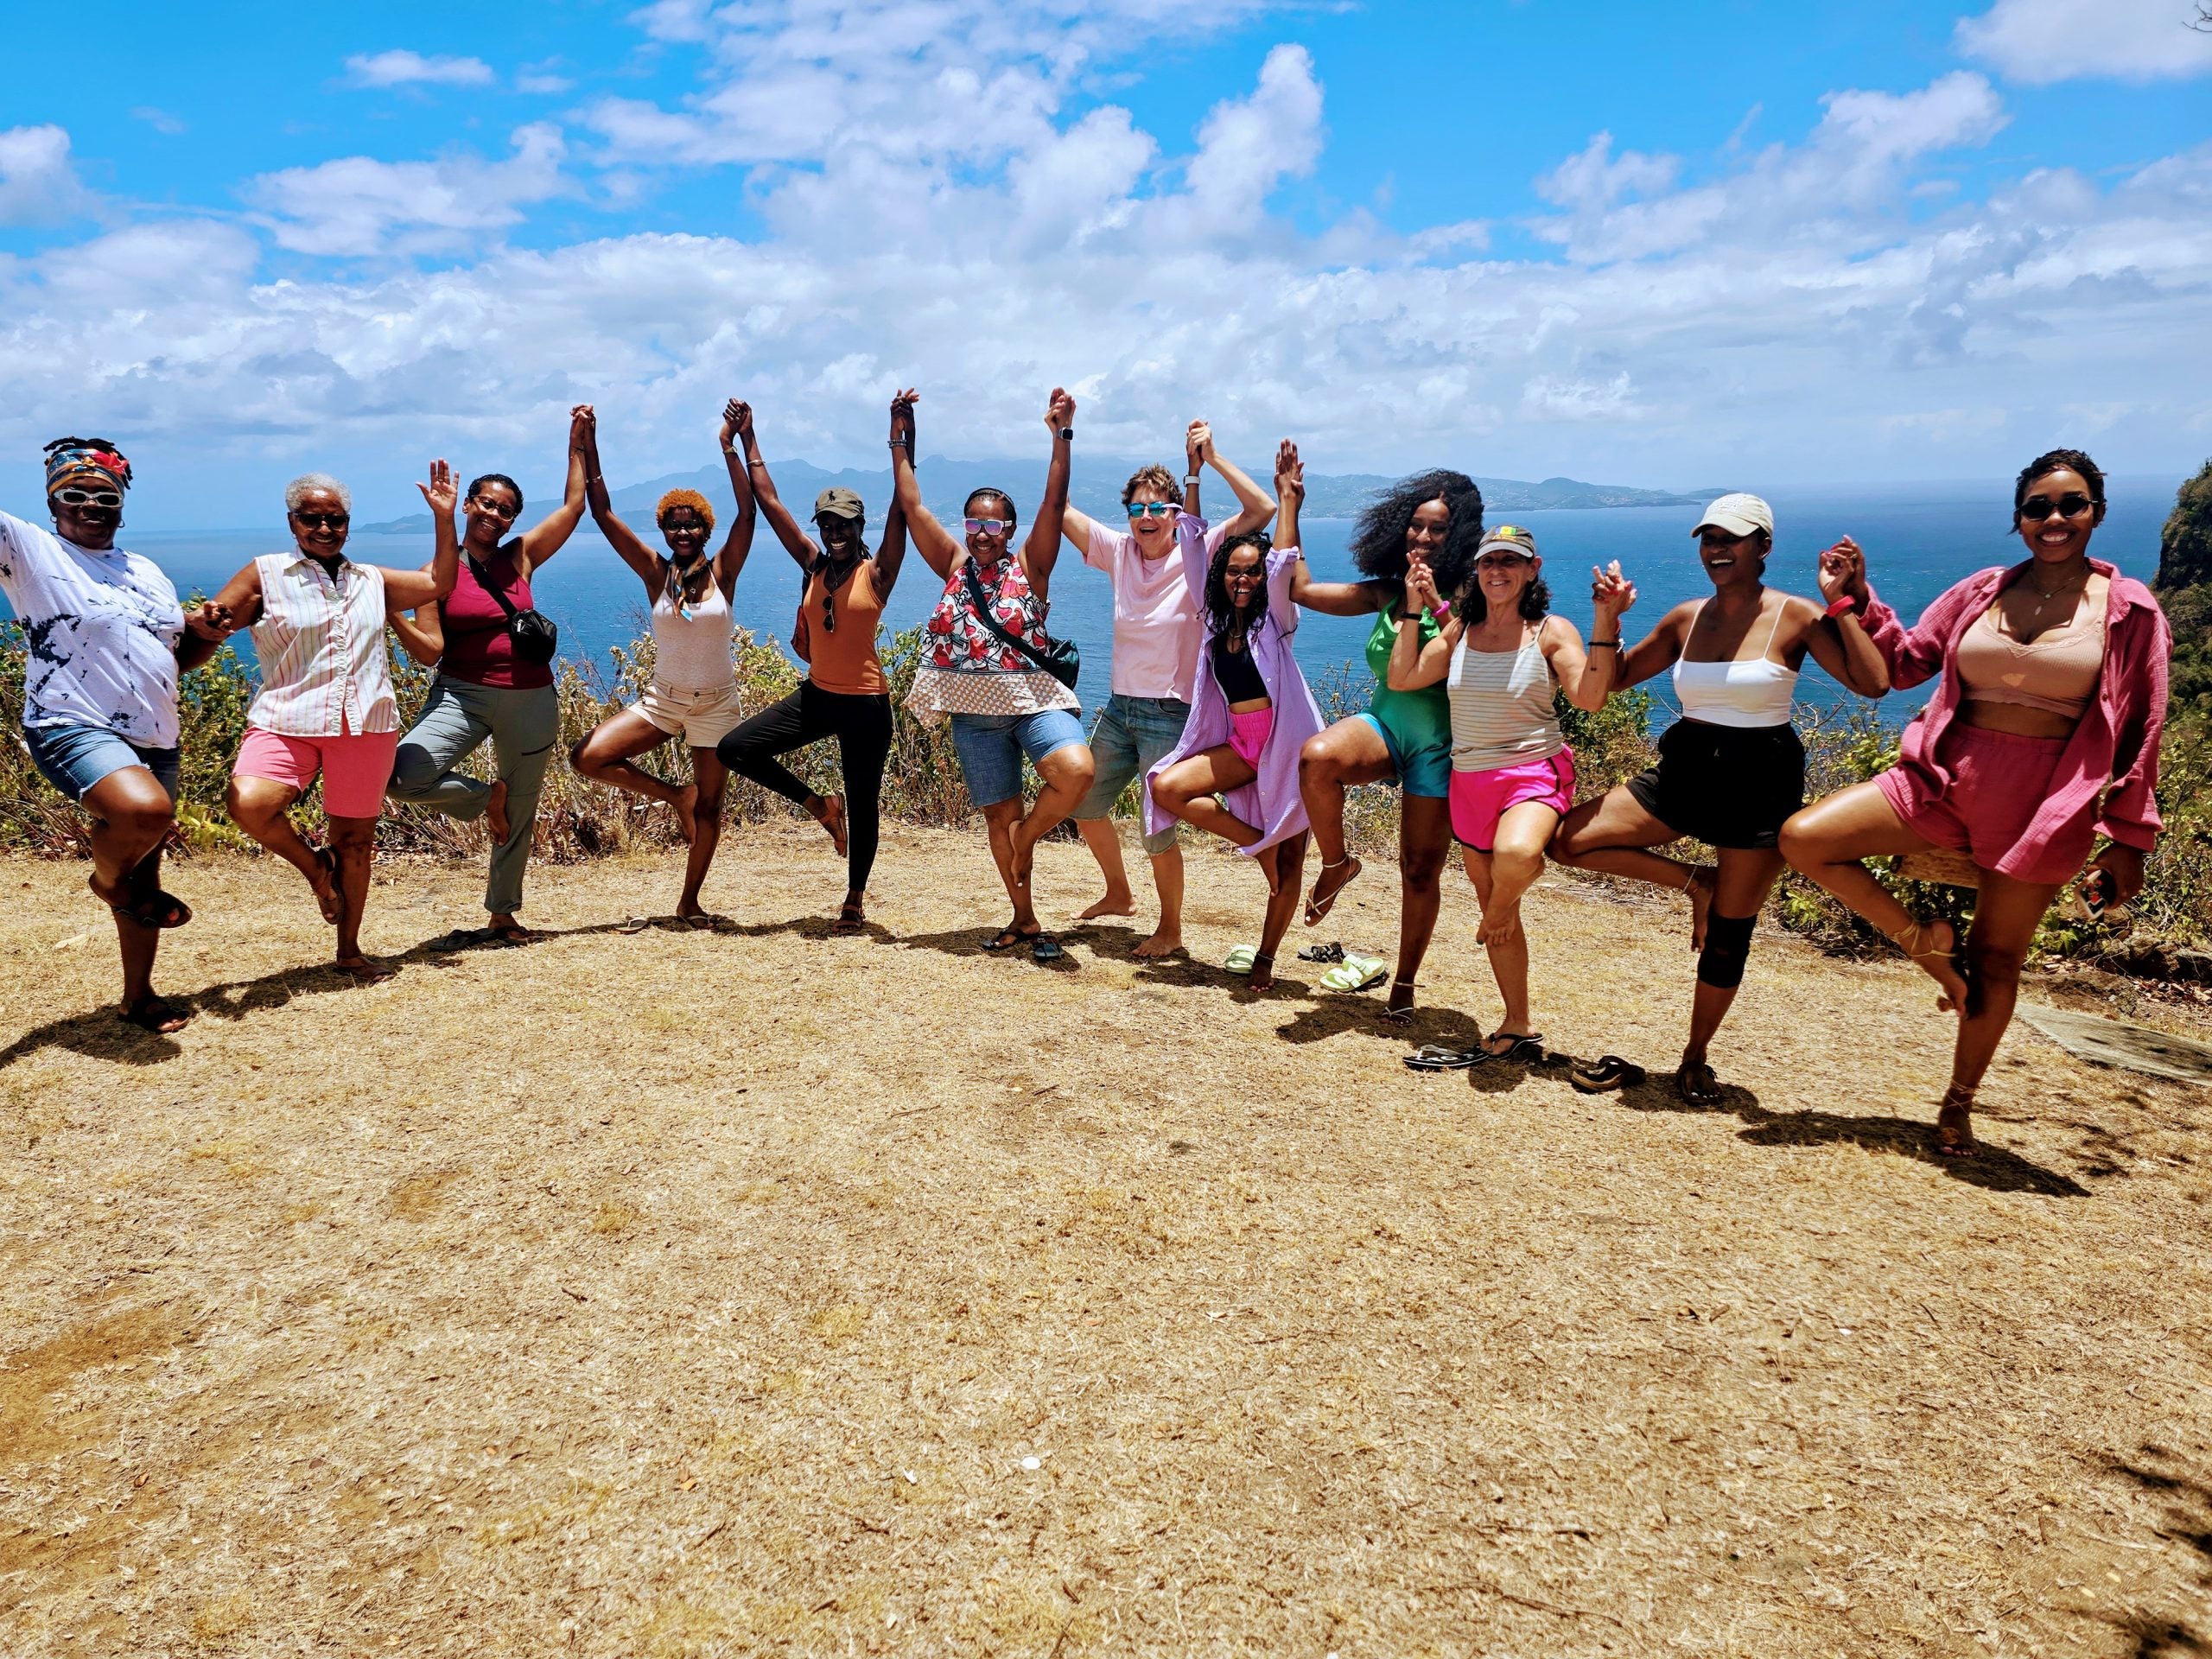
column 1157, row 634
column 326, row 705
column 485, row 690
column 1501, row 657
column 1434, row 520
column 987, row 642
column 694, row 693
column 1234, row 772
column 844, row 695
column 2051, row 692
column 108, row 641
column 1731, row 769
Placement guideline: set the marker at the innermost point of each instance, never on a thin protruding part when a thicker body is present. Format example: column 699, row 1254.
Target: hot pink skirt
column 1249, row 733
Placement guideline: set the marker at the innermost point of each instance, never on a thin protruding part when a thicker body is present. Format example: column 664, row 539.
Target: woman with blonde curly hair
column 694, row 693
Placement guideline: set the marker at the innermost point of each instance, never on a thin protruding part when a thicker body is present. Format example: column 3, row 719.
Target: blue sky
column 1776, row 244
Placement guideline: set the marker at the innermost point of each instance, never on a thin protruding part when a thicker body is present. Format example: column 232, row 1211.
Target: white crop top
column 1750, row 692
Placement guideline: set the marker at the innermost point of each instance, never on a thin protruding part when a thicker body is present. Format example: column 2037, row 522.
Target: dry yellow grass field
column 746, row 1292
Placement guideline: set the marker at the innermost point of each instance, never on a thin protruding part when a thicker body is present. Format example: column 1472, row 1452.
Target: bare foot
column 495, row 813
column 1263, row 972
column 686, row 803
column 1164, row 943
column 1954, row 1126
column 1114, row 904
column 1933, row 947
column 367, row 969
column 327, row 896
column 1502, row 928
column 1700, row 890
column 1333, row 880
column 833, row 820
column 1399, row 1005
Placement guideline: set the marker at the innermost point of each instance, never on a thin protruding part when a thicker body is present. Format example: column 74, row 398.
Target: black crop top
column 1236, row 672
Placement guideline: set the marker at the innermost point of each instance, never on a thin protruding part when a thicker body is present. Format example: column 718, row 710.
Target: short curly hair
column 690, row 499
column 2054, row 461
column 1378, row 540
column 1154, row 477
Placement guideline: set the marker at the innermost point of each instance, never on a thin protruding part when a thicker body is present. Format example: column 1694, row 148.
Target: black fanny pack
column 531, row 632
column 1060, row 658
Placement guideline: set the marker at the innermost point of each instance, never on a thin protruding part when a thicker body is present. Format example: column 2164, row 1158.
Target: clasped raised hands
column 1198, row 445
column 1060, row 411
column 1420, row 589
column 1290, row 474
column 1843, row 573
column 1610, row 592
column 737, row 421
column 902, row 418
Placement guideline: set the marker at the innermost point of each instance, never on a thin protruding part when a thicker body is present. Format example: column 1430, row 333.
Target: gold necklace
column 2062, row 587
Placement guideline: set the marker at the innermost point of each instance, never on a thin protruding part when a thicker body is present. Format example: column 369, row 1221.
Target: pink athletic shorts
column 355, row 767
column 2000, row 781
column 1249, row 733
column 1479, row 800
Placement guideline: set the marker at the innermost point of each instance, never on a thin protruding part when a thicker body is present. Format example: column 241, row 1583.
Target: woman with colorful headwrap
column 694, row 693
column 485, row 690
column 104, row 641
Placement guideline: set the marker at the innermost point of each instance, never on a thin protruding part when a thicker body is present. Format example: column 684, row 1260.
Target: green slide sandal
column 1355, row 973
column 1239, row 960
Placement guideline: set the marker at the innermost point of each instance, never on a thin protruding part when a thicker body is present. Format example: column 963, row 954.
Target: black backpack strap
column 983, row 615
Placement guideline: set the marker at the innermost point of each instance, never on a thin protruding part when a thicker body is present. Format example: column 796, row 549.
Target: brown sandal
column 1916, row 939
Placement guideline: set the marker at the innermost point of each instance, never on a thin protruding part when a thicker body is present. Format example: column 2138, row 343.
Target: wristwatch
column 1067, row 434
column 1190, row 480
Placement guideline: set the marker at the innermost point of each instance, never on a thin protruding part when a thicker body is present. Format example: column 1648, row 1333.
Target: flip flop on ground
column 1605, row 1074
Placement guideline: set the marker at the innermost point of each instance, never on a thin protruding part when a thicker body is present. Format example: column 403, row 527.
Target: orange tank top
column 843, row 657
column 2057, row 671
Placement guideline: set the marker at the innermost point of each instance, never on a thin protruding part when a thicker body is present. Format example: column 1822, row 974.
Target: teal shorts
column 1420, row 771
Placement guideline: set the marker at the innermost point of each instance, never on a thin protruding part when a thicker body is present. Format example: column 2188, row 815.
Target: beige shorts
column 703, row 718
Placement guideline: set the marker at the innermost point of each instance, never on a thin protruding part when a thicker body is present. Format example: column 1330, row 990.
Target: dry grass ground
column 703, row 1293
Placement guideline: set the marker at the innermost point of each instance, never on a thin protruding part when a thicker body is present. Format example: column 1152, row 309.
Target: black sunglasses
column 2072, row 504
column 323, row 520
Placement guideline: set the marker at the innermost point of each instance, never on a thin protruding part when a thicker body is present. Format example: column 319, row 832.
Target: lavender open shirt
column 1271, row 801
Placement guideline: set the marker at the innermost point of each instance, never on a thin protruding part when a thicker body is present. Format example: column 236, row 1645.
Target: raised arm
column 797, row 543
column 891, row 552
column 738, row 542
column 422, row 632
column 1254, row 507
column 1042, row 549
column 543, row 540
column 1656, row 652
column 1331, row 598
column 1840, row 643
column 937, row 546
column 628, row 546
column 405, row 590
column 1412, row 663
column 1587, row 677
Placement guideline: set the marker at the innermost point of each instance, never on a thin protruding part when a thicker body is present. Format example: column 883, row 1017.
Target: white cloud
column 2038, row 43
column 1248, row 146
column 1594, row 178
column 38, row 183
column 356, row 207
column 405, row 69
column 160, row 120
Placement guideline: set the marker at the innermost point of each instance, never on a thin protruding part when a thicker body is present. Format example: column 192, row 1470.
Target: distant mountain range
column 1096, row 491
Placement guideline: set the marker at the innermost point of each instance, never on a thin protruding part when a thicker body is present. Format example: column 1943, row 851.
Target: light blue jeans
column 523, row 726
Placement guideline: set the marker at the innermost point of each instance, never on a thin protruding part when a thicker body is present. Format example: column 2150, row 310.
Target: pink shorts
column 355, row 767
column 1998, row 783
column 1249, row 733
column 1479, row 800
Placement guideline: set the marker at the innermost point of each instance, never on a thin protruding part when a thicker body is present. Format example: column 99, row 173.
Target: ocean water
column 1918, row 541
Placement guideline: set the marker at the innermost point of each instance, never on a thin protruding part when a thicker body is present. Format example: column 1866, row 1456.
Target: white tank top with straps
column 1751, row 692
column 1502, row 710
column 692, row 640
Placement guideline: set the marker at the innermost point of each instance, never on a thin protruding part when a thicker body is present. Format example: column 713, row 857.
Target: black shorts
column 1724, row 785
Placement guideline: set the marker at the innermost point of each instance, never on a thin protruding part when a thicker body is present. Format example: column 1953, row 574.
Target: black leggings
column 861, row 725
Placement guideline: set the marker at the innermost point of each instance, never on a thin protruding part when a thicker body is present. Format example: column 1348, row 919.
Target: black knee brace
column 1727, row 947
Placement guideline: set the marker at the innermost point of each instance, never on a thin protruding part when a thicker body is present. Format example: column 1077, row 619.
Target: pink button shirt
column 1156, row 628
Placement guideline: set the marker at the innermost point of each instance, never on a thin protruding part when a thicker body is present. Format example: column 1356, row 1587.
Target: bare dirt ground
column 674, row 1292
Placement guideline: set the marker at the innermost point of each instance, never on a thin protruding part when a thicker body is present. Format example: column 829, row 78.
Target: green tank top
column 1415, row 720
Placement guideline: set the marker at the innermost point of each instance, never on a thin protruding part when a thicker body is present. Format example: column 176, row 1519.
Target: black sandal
column 157, row 909
column 1442, row 1057
column 1527, row 1047
column 1008, row 937
column 1697, row 1084
column 1606, row 1074
column 1398, row 1016
column 852, row 917
column 159, row 1014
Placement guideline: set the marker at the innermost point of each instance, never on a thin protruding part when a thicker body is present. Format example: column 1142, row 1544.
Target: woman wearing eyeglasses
column 107, row 642
column 694, row 691
column 985, row 646
column 842, row 592
column 326, row 707
column 2042, row 734
column 1234, row 772
column 484, row 690
column 1157, row 635
column 1732, row 768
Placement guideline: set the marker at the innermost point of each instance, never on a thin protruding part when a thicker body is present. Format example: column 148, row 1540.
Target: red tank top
column 478, row 650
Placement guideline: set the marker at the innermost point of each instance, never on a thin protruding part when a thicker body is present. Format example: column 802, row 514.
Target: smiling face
column 320, row 524
column 1424, row 535
column 1245, row 579
column 989, row 525
column 2063, row 494
column 86, row 521
column 1152, row 528
column 1502, row 577
column 491, row 512
column 841, row 537
column 684, row 531
column 1730, row 558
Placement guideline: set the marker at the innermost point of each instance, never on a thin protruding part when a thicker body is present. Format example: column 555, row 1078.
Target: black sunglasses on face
column 323, row 520
column 2072, row 504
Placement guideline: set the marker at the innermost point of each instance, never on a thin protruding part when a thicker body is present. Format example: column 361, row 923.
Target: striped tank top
column 1502, row 711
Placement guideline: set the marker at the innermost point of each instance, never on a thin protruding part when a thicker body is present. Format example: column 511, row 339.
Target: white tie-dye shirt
column 100, row 632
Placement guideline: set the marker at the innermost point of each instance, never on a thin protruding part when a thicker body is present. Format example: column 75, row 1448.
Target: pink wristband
column 1441, row 609
column 1842, row 604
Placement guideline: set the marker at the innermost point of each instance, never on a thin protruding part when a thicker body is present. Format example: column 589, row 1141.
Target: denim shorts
column 74, row 758
column 991, row 746
column 1132, row 736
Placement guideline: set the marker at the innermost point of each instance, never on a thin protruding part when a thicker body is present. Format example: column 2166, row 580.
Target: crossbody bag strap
column 983, row 615
column 498, row 595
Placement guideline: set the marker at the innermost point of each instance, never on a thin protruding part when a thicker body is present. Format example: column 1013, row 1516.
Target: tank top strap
column 1774, row 629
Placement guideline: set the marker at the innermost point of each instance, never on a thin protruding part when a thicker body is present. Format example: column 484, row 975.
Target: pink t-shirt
column 1157, row 632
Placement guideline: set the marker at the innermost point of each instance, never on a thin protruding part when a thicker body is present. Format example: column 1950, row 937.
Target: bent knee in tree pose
column 2042, row 734
column 1157, row 635
column 326, row 707
column 1433, row 520
column 1234, row 772
column 107, row 643
column 1731, row 769
column 693, row 695
column 842, row 591
column 987, row 666
column 494, row 682
column 1501, row 656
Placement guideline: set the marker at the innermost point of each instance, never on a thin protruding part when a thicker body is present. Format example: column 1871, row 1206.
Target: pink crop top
column 2057, row 671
